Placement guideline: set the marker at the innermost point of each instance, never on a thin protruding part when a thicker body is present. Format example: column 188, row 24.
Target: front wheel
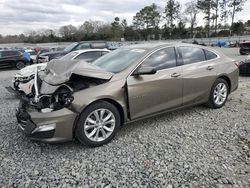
column 219, row 94
column 98, row 124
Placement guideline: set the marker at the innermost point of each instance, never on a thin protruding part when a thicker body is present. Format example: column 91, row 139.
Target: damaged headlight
column 61, row 98
column 24, row 79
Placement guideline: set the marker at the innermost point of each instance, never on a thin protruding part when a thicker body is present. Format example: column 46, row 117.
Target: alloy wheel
column 99, row 125
column 220, row 94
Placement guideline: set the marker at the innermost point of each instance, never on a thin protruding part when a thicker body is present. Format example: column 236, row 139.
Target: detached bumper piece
column 31, row 129
column 51, row 127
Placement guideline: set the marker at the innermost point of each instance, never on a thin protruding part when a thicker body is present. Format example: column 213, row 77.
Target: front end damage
column 47, row 114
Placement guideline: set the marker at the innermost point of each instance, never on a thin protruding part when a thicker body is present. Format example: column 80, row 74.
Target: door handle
column 210, row 68
column 175, row 75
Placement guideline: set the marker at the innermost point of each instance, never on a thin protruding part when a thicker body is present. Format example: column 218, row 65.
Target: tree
column 238, row 28
column 216, row 15
column 224, row 12
column 147, row 19
column 172, row 11
column 87, row 28
column 68, row 31
column 124, row 24
column 191, row 11
column 117, row 29
column 206, row 6
column 236, row 6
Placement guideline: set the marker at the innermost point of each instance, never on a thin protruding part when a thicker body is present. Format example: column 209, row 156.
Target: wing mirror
column 144, row 70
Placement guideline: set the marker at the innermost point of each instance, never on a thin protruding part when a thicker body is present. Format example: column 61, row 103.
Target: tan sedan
column 91, row 102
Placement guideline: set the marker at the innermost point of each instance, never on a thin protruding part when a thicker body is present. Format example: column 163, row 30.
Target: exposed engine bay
column 54, row 90
column 52, row 98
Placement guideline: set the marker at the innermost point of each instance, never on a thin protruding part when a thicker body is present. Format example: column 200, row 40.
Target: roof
column 155, row 45
column 92, row 50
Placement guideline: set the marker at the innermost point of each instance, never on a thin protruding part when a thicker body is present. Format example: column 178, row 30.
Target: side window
column 6, row 54
column 210, row 55
column 162, row 59
column 192, row 55
column 104, row 53
column 89, row 56
column 83, row 46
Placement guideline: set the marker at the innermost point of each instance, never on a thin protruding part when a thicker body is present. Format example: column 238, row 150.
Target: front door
column 149, row 94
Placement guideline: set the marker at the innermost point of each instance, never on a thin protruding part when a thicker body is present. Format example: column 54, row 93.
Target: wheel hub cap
column 220, row 93
column 99, row 125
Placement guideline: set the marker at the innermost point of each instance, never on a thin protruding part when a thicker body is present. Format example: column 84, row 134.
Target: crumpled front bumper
column 51, row 127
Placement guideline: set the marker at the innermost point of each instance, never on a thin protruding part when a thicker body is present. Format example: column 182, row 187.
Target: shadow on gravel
column 163, row 118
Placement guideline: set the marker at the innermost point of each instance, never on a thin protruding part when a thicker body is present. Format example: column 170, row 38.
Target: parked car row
column 23, row 82
column 12, row 59
column 90, row 101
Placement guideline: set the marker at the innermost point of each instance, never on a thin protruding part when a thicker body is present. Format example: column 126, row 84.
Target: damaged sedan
column 90, row 102
column 23, row 82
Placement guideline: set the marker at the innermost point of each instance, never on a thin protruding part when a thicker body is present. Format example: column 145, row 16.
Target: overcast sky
column 19, row 16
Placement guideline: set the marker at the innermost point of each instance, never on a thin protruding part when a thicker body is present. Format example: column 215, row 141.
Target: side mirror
column 144, row 70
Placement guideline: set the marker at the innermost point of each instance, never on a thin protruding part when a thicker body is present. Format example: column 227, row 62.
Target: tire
column 20, row 65
column 218, row 100
column 90, row 132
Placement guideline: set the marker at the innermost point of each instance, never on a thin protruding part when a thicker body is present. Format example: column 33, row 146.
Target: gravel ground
column 195, row 147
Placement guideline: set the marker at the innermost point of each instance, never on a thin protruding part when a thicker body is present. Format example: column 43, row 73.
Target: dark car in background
column 45, row 57
column 13, row 59
column 245, row 67
column 245, row 48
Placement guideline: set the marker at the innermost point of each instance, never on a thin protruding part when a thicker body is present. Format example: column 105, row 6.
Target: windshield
column 69, row 56
column 119, row 60
column 70, row 47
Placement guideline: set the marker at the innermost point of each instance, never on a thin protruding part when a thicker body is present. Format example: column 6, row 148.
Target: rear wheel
column 20, row 65
column 98, row 124
column 219, row 94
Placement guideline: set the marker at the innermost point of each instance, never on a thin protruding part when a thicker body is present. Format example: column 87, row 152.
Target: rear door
column 148, row 94
column 6, row 59
column 199, row 72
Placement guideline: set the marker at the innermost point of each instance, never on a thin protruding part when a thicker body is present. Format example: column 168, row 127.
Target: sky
column 21, row 16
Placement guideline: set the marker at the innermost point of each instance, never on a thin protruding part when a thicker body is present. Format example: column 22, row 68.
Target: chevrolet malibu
column 91, row 101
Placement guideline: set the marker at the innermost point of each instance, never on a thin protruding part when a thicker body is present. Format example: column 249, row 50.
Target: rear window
column 192, row 55
column 210, row 55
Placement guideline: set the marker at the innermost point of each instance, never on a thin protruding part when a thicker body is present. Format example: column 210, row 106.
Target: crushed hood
column 60, row 71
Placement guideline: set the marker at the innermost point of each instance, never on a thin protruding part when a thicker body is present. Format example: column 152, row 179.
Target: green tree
column 206, row 6
column 224, row 12
column 235, row 6
column 117, row 29
column 172, row 11
column 147, row 19
column 238, row 28
column 191, row 11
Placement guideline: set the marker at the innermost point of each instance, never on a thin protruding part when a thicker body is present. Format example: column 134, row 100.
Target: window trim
column 209, row 51
column 75, row 57
column 218, row 56
column 164, row 49
column 152, row 52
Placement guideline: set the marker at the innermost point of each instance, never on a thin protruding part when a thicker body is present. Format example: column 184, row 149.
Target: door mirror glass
column 144, row 70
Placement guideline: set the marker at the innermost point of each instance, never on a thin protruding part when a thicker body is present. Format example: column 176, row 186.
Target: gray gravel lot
column 195, row 147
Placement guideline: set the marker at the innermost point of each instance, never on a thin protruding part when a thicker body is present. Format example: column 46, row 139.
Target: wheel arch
column 227, row 79
column 121, row 110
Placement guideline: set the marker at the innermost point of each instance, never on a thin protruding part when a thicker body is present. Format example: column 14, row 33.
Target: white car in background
column 32, row 55
column 23, row 81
